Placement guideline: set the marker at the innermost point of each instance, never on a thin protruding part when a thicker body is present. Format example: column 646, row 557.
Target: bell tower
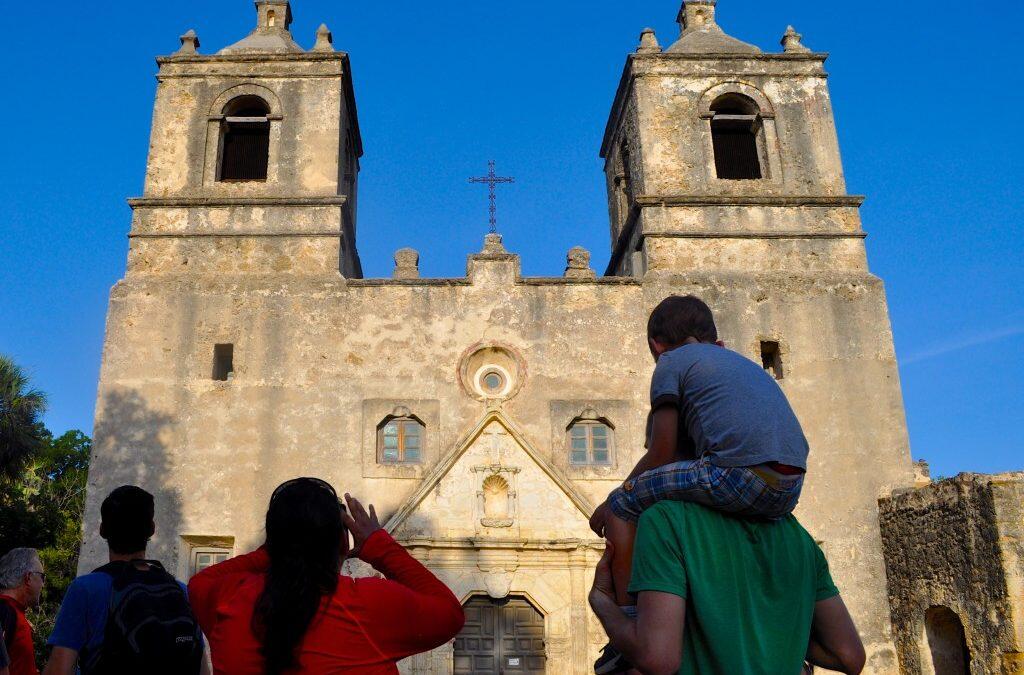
column 721, row 156
column 253, row 160
column 725, row 181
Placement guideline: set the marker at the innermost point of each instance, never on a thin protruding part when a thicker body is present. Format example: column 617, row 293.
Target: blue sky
column 925, row 97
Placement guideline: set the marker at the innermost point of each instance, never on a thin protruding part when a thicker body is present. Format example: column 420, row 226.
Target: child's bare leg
column 622, row 535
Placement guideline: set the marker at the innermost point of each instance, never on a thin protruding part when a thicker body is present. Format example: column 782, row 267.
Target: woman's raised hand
column 360, row 523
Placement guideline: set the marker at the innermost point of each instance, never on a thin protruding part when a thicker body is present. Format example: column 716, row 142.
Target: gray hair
column 15, row 565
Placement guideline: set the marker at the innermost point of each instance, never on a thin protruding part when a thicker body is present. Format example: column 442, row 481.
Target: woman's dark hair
column 680, row 317
column 304, row 535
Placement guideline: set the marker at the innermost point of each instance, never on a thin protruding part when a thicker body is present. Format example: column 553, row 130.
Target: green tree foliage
column 21, row 409
column 42, row 509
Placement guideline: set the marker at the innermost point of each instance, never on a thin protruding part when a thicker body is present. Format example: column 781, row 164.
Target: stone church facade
column 486, row 415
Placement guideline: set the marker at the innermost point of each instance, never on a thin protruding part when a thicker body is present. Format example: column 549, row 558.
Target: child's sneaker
column 612, row 661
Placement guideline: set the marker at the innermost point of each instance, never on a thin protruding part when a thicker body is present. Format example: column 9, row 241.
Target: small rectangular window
column 207, row 557
column 223, row 362
column 771, row 358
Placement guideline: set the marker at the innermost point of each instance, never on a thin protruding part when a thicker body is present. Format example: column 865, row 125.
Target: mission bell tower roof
column 272, row 34
column 702, row 35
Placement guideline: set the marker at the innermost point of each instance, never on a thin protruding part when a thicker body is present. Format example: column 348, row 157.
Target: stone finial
column 189, row 43
column 697, row 14
column 492, row 244
column 324, row 39
column 407, row 264
column 648, row 42
column 578, row 264
column 791, row 42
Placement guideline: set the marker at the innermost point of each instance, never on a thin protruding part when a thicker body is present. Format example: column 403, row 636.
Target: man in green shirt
column 727, row 596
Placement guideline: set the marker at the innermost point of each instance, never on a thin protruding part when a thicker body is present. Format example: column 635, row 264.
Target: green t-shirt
column 750, row 586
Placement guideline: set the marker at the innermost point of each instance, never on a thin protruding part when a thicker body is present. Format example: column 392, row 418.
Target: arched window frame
column 216, row 120
column 403, row 420
column 763, row 122
column 587, row 422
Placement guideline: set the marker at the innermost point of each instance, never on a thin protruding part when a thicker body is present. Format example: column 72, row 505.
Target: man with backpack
column 21, row 585
column 131, row 615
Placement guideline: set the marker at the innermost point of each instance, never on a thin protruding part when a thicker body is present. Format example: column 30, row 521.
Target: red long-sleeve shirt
column 365, row 628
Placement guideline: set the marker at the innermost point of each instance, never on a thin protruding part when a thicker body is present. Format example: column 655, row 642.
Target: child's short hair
column 680, row 317
column 127, row 519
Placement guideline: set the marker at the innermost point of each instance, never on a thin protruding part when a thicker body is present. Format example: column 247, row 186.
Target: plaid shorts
column 753, row 492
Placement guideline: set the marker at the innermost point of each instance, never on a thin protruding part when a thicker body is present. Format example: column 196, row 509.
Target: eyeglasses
column 42, row 575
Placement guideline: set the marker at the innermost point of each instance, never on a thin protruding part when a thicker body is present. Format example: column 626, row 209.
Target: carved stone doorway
column 500, row 636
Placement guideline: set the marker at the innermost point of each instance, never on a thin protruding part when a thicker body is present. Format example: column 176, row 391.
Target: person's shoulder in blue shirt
column 83, row 614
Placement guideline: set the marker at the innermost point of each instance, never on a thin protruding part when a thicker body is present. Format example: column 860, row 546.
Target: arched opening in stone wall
column 946, row 650
column 736, row 136
column 245, row 140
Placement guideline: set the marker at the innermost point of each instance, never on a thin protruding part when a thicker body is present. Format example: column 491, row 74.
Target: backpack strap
column 8, row 621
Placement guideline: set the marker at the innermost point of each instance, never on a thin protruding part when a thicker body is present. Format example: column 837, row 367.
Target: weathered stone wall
column 958, row 544
column 309, row 351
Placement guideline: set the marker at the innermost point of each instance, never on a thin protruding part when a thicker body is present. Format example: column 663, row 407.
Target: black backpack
column 150, row 626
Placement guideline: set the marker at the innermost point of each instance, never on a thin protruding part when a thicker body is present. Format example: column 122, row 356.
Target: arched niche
column 945, row 649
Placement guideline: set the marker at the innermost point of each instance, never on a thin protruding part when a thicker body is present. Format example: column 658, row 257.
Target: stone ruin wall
column 958, row 544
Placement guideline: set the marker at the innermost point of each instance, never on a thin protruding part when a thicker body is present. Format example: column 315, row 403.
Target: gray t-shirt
column 731, row 408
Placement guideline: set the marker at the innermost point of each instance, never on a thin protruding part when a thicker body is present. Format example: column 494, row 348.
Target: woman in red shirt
column 285, row 608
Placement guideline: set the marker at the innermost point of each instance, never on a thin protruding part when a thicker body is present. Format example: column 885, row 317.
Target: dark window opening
column 771, row 359
column 245, row 146
column 735, row 128
column 223, row 362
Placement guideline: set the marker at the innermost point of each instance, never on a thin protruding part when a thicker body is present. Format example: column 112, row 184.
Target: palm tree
column 21, row 429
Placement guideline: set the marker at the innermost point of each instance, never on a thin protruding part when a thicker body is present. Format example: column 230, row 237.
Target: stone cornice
column 755, row 234
column 731, row 56
column 824, row 201
column 198, row 234
column 253, row 58
column 199, row 202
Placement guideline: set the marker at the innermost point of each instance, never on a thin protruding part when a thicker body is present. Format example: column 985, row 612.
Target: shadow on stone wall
column 131, row 448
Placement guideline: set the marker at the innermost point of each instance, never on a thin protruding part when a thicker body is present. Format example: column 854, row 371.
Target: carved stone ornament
column 498, row 583
column 791, row 42
column 324, row 39
column 648, row 42
column 189, row 44
column 493, row 245
column 407, row 264
column 578, row 264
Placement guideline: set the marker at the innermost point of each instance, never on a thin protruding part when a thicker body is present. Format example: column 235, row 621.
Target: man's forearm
column 621, row 629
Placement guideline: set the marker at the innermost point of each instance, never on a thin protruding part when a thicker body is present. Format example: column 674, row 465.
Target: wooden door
column 500, row 637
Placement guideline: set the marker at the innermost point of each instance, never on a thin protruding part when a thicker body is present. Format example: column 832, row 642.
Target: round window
column 493, row 381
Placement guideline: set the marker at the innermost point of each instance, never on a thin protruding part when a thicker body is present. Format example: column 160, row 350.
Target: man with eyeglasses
column 21, row 586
